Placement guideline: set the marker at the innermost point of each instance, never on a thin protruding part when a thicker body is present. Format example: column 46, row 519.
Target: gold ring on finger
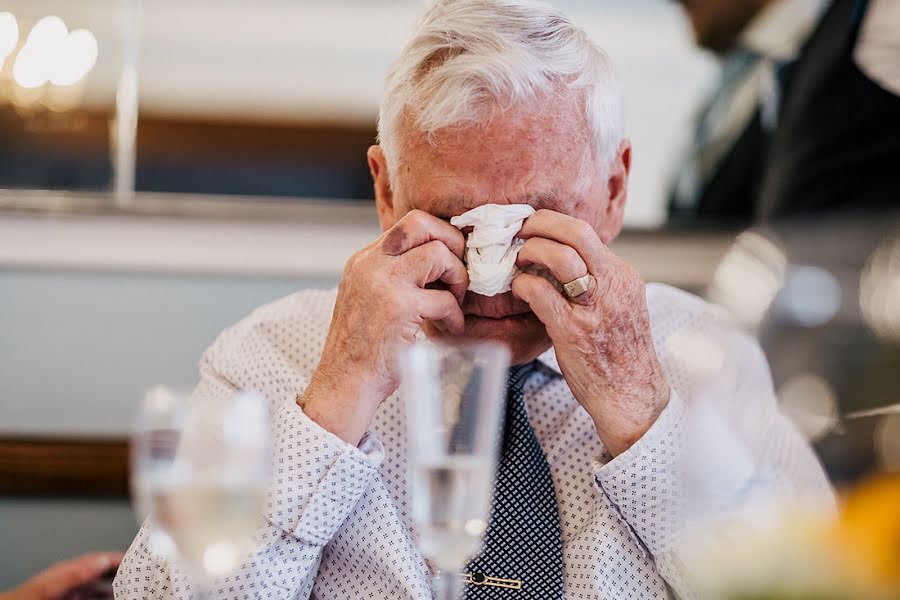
column 577, row 287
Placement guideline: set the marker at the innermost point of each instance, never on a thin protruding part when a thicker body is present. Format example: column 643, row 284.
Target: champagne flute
column 454, row 397
column 201, row 470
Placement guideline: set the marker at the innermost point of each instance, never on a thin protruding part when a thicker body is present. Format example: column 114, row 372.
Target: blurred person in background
column 497, row 102
column 80, row 578
column 806, row 117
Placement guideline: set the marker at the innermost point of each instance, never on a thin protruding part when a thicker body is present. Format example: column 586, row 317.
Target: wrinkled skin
column 540, row 155
column 382, row 303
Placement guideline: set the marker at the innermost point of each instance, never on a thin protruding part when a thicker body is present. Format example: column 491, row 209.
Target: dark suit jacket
column 836, row 146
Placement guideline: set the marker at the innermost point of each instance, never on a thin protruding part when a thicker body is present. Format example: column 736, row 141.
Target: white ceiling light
column 77, row 56
column 52, row 53
column 34, row 63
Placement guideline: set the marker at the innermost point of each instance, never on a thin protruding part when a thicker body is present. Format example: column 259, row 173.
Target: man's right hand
column 382, row 303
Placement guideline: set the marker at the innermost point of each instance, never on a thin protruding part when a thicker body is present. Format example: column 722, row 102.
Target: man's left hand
column 601, row 337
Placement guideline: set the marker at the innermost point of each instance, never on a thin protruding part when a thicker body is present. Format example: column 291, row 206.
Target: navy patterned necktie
column 522, row 553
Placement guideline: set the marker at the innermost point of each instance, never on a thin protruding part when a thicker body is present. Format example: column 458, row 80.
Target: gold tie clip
column 482, row 579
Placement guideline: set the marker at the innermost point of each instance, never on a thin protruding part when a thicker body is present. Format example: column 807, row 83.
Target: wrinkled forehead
column 452, row 205
column 540, row 156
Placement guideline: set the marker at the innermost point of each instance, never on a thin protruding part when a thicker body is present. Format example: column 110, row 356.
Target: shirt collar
column 781, row 28
column 548, row 359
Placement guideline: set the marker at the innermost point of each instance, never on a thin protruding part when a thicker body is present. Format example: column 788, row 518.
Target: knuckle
column 584, row 233
column 353, row 261
column 440, row 254
column 630, row 273
column 435, row 248
column 356, row 273
column 416, row 218
column 457, row 246
column 428, row 253
column 449, row 301
column 570, row 256
column 446, row 254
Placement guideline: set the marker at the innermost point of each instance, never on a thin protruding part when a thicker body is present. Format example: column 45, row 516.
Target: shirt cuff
column 317, row 478
column 643, row 483
column 688, row 458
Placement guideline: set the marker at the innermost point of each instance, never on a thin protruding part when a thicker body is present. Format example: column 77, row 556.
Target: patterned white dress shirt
column 338, row 521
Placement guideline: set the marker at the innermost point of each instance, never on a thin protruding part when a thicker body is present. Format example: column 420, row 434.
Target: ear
column 617, row 185
column 384, row 195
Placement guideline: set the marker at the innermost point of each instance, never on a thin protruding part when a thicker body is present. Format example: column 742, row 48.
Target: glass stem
column 447, row 585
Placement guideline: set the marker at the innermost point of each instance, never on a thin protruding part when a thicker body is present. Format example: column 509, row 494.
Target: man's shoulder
column 291, row 329
column 310, row 305
column 687, row 326
column 673, row 305
column 696, row 340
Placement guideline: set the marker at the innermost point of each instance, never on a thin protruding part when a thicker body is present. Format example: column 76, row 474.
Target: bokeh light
column 699, row 353
column 879, row 291
column 43, row 45
column 77, row 57
column 810, row 297
column 29, row 70
column 47, row 33
column 749, row 277
column 53, row 53
column 887, row 442
column 811, row 403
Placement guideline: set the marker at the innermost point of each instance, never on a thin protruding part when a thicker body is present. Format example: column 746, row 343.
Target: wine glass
column 200, row 470
column 454, row 397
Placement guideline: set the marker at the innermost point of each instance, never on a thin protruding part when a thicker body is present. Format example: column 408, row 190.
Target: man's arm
column 324, row 459
column 711, row 459
column 741, row 449
column 317, row 479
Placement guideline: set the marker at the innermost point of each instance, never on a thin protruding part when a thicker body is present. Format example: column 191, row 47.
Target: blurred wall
column 80, row 348
column 284, row 62
column 39, row 532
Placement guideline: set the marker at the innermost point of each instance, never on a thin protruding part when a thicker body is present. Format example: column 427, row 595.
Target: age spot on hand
column 395, row 241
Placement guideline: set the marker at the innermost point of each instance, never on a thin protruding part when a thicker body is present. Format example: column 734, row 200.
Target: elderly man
column 498, row 102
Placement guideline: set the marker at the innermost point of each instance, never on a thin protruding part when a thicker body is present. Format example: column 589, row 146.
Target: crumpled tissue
column 492, row 247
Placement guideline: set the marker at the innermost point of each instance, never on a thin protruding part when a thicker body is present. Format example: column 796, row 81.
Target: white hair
column 468, row 58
